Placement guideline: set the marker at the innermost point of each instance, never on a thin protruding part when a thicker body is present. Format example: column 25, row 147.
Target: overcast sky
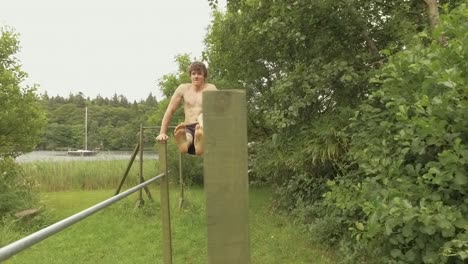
column 105, row 46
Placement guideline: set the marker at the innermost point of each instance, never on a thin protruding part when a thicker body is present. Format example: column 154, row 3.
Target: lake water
column 63, row 156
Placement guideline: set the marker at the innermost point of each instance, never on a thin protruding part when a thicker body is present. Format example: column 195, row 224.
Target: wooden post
column 142, row 179
column 129, row 166
column 140, row 174
column 225, row 172
column 165, row 211
column 181, row 182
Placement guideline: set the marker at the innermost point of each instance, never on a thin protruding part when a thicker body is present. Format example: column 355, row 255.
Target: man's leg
column 198, row 142
column 182, row 138
column 200, row 119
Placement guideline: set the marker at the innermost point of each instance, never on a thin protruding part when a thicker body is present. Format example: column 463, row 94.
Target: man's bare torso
column 193, row 100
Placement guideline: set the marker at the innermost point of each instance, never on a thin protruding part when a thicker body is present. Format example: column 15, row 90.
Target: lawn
column 123, row 233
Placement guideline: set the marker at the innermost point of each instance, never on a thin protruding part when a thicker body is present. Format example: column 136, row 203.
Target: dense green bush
column 21, row 123
column 403, row 196
column 15, row 188
column 22, row 118
column 192, row 166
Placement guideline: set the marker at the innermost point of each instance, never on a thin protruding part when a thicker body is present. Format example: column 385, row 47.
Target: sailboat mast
column 86, row 128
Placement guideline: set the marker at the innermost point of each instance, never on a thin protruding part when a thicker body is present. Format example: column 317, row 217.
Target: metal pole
column 165, row 209
column 157, row 127
column 225, row 172
column 15, row 247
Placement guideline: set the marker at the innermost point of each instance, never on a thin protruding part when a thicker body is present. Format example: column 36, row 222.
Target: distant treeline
column 113, row 123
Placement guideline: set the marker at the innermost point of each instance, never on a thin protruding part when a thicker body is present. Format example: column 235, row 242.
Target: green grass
column 125, row 234
column 85, row 175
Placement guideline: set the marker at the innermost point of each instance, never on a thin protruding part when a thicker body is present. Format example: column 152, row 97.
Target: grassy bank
column 123, row 234
column 85, row 175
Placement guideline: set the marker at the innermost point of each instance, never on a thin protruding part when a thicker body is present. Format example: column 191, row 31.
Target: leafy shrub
column 404, row 192
column 21, row 123
column 192, row 166
column 22, row 118
column 16, row 189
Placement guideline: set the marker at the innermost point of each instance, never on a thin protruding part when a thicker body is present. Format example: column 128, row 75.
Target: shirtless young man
column 189, row 134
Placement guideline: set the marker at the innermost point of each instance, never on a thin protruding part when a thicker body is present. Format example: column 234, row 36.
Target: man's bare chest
column 193, row 98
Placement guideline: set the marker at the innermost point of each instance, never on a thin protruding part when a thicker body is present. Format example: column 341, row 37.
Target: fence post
column 129, row 166
column 165, row 211
column 181, row 182
column 225, row 176
column 140, row 171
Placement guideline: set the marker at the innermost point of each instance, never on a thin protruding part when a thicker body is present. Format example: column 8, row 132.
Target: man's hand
column 162, row 137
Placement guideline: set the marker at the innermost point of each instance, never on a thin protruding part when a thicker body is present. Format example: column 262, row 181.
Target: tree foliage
column 113, row 123
column 404, row 189
column 22, row 118
column 307, row 66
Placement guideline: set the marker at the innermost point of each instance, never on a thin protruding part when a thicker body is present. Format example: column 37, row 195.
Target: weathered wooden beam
column 225, row 176
column 165, row 207
column 127, row 170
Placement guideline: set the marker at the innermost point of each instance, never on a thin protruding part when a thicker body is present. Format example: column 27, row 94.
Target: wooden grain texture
column 225, row 176
column 165, row 212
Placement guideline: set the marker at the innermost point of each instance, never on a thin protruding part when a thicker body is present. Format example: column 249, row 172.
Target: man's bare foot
column 181, row 138
column 198, row 142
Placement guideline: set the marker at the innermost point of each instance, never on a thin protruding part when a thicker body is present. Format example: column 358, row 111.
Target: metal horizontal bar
column 17, row 246
column 156, row 127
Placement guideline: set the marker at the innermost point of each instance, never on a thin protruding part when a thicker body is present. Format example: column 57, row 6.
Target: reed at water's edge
column 51, row 176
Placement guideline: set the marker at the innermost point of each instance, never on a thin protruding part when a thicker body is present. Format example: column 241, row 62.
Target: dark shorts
column 190, row 128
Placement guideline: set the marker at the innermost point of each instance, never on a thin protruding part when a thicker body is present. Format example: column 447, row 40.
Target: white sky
column 105, row 46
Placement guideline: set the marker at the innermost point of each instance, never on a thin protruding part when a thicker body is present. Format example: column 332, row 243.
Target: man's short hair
column 198, row 66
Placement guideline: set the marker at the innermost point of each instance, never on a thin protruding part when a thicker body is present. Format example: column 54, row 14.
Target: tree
column 22, row 118
column 151, row 100
column 307, row 66
column 21, row 123
column 405, row 176
column 112, row 124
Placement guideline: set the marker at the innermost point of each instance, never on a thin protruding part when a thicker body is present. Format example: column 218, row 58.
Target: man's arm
column 171, row 108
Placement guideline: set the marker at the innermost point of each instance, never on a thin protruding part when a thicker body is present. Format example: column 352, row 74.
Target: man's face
column 197, row 77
